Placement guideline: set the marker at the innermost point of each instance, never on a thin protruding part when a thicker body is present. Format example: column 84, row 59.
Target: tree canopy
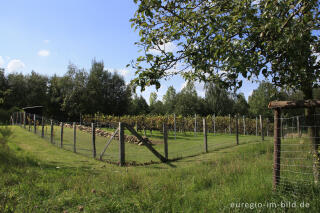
column 224, row 40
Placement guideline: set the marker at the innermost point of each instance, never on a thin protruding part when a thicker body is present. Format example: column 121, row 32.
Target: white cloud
column 44, row 53
column 1, row 61
column 15, row 65
column 167, row 47
column 46, row 41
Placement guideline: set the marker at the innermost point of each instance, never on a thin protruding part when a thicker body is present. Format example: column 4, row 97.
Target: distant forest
column 98, row 90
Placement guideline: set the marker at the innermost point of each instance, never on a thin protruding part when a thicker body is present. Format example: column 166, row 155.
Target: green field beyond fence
column 180, row 145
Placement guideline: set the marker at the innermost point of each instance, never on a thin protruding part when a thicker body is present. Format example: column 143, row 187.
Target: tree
column 138, row 106
column 218, row 99
column 107, row 92
column 220, row 40
column 153, row 98
column 76, row 98
column 169, row 100
column 240, row 105
column 188, row 102
column 260, row 99
column 36, row 89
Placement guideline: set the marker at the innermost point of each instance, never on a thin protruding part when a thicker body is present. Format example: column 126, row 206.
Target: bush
column 5, row 134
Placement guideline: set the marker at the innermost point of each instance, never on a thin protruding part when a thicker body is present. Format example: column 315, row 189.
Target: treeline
column 81, row 92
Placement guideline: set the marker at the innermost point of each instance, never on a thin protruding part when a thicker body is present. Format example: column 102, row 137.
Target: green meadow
column 37, row 176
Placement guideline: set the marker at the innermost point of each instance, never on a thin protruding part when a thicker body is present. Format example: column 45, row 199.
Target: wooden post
column 29, row 122
column 175, row 126
column 277, row 149
column 281, row 128
column 61, row 136
column 74, row 137
column 214, row 123
column 51, row 131
column 244, row 125
column 205, row 135
column 121, row 145
column 261, row 128
column 34, row 123
column 93, row 132
column 195, row 124
column 257, row 126
column 42, row 127
column 298, row 127
column 24, row 119
column 165, row 140
column 267, row 127
column 237, row 129
column 229, row 124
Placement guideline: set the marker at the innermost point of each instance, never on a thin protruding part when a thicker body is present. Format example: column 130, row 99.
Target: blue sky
column 45, row 36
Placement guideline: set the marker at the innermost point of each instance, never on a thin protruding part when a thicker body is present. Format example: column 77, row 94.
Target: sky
column 45, row 36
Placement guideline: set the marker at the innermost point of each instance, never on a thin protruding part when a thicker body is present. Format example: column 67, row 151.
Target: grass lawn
column 37, row 176
column 183, row 145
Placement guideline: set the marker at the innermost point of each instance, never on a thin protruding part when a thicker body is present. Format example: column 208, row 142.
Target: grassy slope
column 39, row 177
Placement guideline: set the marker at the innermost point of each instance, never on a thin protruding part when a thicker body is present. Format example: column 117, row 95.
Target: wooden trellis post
column 175, row 126
column 61, row 136
column 74, row 137
column 34, row 123
column 195, row 124
column 122, row 160
column 277, row 148
column 261, row 128
column 229, row 124
column 51, row 131
column 165, row 140
column 237, row 129
column 205, row 135
column 93, row 133
column 244, row 125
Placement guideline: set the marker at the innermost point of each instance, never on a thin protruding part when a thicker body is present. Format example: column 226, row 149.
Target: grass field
column 37, row 176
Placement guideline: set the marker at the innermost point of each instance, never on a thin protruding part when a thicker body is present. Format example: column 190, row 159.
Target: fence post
column 93, row 132
column 277, row 148
column 205, row 135
column 229, row 124
column 257, row 126
column 24, row 119
column 42, row 127
column 214, row 123
column 51, row 131
column 165, row 140
column 244, row 125
column 61, row 137
column 29, row 122
column 74, row 137
column 121, row 144
column 237, row 129
column 175, row 126
column 267, row 127
column 261, row 127
column 195, row 124
column 298, row 127
column 34, row 123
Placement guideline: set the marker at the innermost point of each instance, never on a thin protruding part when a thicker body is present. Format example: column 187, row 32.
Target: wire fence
column 78, row 138
column 297, row 162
